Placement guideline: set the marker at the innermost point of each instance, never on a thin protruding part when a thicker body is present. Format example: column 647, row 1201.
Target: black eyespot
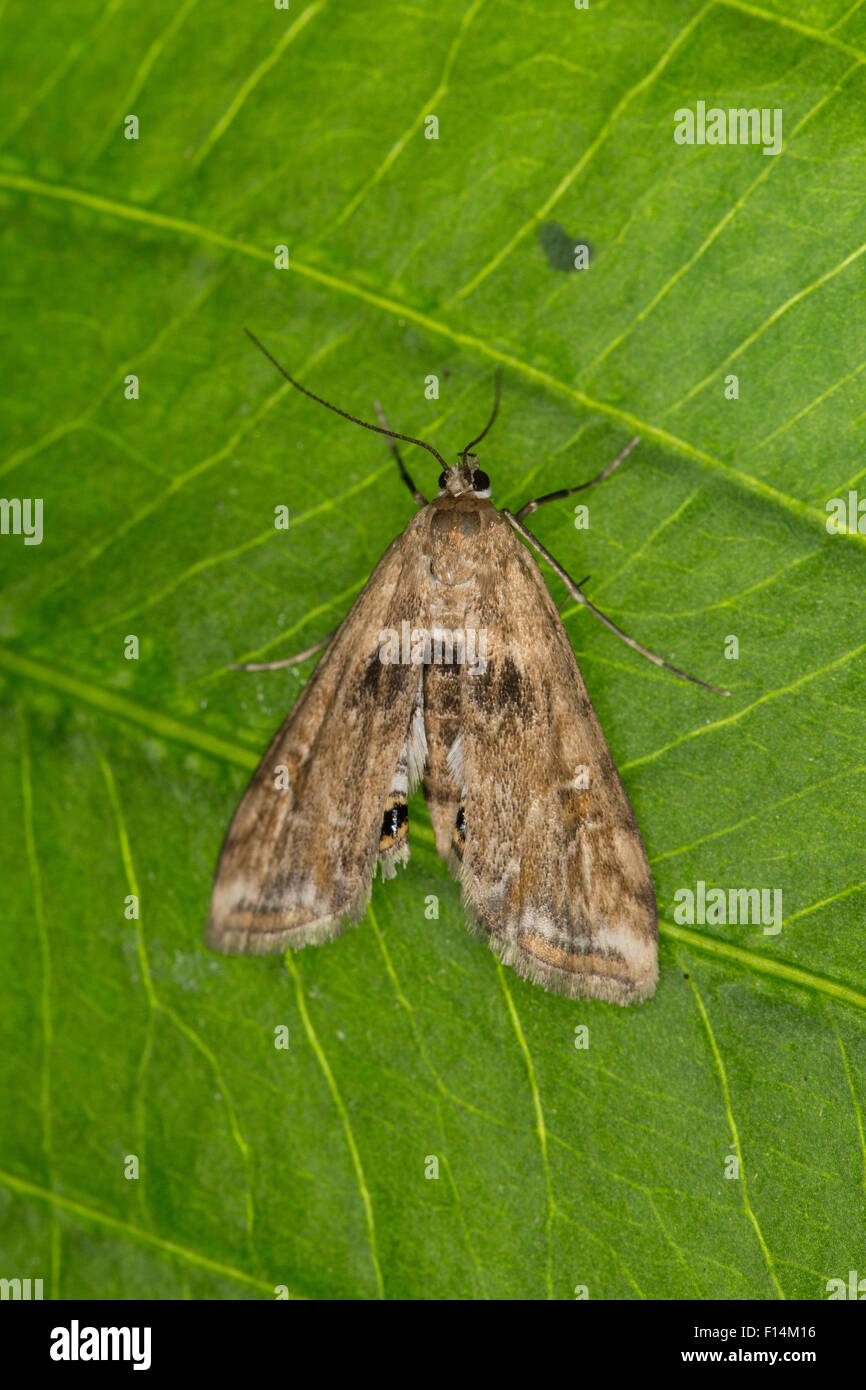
column 443, row 477
column 480, row 480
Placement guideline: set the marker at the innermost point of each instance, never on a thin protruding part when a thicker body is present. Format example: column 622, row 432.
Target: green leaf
column 410, row 257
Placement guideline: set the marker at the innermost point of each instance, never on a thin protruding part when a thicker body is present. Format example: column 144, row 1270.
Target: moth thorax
column 453, row 524
column 452, row 552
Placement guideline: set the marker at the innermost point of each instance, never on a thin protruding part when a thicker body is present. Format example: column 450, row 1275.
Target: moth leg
column 392, row 445
column 394, row 835
column 581, row 598
column 529, row 507
column 580, row 584
column 458, row 834
column 286, row 661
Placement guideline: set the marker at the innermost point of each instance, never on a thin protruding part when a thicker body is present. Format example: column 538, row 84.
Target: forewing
column 300, row 853
column 554, row 871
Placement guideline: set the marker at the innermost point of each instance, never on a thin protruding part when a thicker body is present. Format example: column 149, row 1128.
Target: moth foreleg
column 529, row 507
column 392, row 445
column 576, row 594
column 394, row 833
column 286, row 660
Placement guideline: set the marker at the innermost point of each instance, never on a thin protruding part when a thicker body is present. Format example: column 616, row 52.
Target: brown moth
column 525, row 800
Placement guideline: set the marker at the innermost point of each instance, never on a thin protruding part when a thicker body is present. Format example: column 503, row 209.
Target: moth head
column 462, row 479
column 465, row 479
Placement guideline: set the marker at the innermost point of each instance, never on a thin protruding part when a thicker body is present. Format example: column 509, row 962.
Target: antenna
column 377, row 429
column 497, row 393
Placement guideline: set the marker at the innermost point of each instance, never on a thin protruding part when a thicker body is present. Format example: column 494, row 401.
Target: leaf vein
column 344, row 1116
column 251, row 83
column 133, row 1233
column 44, row 994
column 726, row 1094
column 588, row 155
column 795, row 506
column 539, row 1119
column 157, row 1005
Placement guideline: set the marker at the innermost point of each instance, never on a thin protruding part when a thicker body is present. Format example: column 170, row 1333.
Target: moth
column 525, row 800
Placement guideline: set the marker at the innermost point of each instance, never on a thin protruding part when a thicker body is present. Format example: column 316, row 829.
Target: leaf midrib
column 802, row 511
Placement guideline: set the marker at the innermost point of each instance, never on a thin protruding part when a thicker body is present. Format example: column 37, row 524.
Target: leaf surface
column 559, row 1166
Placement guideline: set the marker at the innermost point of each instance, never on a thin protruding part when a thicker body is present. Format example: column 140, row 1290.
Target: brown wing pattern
column 554, row 871
column 297, row 863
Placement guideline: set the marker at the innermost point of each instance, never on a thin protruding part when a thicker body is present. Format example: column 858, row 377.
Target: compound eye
column 480, row 481
column 443, row 477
